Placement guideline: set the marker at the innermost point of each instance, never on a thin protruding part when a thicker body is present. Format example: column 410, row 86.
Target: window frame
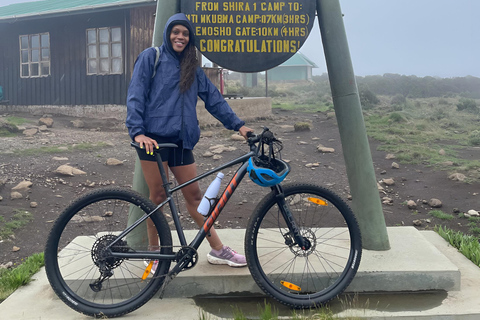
column 42, row 60
column 100, row 60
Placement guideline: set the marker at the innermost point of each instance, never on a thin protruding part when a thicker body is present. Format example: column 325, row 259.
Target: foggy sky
column 412, row 37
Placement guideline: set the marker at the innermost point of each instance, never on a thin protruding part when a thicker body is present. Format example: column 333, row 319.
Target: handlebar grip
column 160, row 145
column 135, row 144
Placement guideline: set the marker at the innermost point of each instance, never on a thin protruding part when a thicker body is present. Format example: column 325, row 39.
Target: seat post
column 163, row 174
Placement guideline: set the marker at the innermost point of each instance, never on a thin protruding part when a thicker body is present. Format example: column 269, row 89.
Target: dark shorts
column 175, row 156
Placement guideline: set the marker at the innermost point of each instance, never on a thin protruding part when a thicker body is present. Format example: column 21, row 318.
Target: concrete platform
column 417, row 262
column 412, row 264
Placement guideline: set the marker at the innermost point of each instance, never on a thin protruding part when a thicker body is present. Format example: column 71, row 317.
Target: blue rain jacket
column 155, row 105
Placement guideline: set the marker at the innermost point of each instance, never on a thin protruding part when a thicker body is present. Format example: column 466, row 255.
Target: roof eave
column 297, row 65
column 80, row 10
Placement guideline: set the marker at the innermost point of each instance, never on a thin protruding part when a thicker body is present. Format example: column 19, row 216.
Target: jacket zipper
column 182, row 135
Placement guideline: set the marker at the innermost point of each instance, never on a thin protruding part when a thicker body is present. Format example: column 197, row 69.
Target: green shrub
column 11, row 279
column 442, row 101
column 468, row 105
column 449, row 123
column 396, row 117
column 441, row 215
column 438, row 114
column 398, row 107
column 368, row 99
column 474, row 138
column 398, row 99
column 302, row 126
column 467, row 245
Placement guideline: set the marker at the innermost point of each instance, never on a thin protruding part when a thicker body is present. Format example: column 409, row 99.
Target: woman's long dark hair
column 188, row 67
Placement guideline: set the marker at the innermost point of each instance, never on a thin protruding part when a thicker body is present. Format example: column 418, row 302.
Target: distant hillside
column 416, row 87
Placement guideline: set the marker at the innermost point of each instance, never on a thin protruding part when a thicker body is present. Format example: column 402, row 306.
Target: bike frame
column 214, row 212
column 210, row 219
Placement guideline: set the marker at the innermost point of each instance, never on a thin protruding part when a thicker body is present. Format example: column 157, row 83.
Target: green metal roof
column 39, row 9
column 298, row 59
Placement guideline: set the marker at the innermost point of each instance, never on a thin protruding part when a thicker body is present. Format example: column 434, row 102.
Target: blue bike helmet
column 267, row 172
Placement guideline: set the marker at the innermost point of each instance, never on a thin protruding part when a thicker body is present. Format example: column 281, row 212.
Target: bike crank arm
column 187, row 257
column 289, row 220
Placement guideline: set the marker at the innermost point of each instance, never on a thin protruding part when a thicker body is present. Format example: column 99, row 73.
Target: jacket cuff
column 239, row 125
column 135, row 132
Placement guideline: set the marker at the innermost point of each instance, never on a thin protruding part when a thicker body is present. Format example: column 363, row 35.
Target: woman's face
column 179, row 37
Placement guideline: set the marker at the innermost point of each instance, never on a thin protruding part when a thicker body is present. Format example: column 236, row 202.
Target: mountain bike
column 302, row 243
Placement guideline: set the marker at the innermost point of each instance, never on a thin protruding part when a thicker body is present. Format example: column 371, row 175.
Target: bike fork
column 289, row 220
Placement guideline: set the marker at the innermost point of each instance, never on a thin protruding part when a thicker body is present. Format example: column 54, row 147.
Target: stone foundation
column 247, row 109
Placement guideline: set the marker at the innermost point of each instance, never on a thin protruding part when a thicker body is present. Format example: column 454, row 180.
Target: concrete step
column 38, row 301
column 412, row 264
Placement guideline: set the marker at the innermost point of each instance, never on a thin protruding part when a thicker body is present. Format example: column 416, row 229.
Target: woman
column 161, row 107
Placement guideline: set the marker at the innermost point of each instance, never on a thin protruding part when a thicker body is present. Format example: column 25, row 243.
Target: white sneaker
column 154, row 267
column 226, row 256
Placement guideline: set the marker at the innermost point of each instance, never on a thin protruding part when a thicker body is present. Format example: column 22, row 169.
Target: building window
column 35, row 55
column 104, row 51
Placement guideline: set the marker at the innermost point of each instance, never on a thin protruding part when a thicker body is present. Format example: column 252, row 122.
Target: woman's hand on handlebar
column 244, row 130
column 146, row 143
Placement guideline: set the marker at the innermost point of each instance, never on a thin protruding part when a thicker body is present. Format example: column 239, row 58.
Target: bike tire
column 310, row 277
column 73, row 253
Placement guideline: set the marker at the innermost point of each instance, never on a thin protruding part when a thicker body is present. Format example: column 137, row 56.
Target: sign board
column 250, row 35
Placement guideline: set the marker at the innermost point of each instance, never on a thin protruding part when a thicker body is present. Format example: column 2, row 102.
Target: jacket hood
column 178, row 18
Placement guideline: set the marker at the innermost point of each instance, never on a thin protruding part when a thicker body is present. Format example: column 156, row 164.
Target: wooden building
column 297, row 68
column 76, row 52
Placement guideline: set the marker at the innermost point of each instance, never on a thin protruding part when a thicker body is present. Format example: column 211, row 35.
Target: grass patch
column 268, row 312
column 302, row 107
column 416, row 133
column 473, row 225
column 13, row 121
column 19, row 219
column 474, row 229
column 61, row 149
column 467, row 245
column 12, row 279
column 16, row 120
column 441, row 215
column 5, row 133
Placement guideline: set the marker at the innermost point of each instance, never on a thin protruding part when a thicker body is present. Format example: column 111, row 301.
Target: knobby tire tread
column 261, row 210
column 51, row 263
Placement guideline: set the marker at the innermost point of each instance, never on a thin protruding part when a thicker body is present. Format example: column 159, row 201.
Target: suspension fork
column 289, row 219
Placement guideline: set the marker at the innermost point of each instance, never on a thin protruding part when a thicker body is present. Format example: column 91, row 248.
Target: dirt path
column 52, row 192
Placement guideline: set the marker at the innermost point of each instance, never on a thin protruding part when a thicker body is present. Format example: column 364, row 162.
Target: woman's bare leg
column 157, row 194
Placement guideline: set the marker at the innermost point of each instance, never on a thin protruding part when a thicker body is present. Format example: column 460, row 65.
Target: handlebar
column 160, row 146
column 266, row 137
column 254, row 138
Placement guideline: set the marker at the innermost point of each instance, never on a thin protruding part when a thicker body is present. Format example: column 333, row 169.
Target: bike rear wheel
column 296, row 277
column 76, row 258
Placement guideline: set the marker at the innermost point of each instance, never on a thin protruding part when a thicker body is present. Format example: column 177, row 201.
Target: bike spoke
column 312, row 274
column 79, row 261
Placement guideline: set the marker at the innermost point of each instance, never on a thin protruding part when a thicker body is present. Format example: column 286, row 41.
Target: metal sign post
column 254, row 36
column 356, row 150
column 165, row 9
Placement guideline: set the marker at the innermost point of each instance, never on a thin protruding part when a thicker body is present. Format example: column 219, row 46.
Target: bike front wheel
column 309, row 277
column 77, row 261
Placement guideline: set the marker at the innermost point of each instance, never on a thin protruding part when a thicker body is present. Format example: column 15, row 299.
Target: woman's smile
column 179, row 37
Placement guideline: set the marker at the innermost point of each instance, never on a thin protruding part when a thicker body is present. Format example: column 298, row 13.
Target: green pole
column 358, row 160
column 165, row 9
